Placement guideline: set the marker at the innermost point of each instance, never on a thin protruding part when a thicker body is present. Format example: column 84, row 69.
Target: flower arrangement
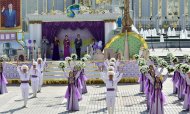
column 184, row 68
column 141, row 61
column 175, row 60
column 170, row 69
column 84, row 59
column 87, row 56
column 144, row 69
column 62, row 65
column 136, row 56
column 155, row 58
column 170, row 56
column 163, row 64
column 68, row 60
column 185, row 56
column 188, row 60
column 177, row 66
column 74, row 56
column 159, row 60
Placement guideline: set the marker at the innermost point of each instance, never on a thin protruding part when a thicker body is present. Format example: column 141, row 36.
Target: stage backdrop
column 95, row 28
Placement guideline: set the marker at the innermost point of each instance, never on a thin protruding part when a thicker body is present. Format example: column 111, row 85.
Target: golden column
column 127, row 21
column 65, row 6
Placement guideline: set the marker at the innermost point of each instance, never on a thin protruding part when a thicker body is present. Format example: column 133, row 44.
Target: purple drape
column 96, row 28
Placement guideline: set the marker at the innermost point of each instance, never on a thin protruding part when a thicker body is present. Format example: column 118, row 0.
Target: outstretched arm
column 165, row 77
column 102, row 74
column 119, row 77
column 78, row 74
column 150, row 78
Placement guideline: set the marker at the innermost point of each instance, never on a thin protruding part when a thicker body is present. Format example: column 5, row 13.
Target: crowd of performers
column 152, row 79
column 34, row 73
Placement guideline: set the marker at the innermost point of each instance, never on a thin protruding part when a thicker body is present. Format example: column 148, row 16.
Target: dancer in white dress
column 24, row 77
column 34, row 73
column 111, row 85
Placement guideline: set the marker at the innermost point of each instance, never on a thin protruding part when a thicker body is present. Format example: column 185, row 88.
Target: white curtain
column 109, row 27
column 35, row 31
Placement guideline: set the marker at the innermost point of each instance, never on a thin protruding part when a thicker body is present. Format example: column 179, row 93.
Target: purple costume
column 186, row 92
column 157, row 98
column 72, row 95
column 180, row 87
column 142, row 80
column 175, row 79
column 66, row 48
column 3, row 80
column 83, row 79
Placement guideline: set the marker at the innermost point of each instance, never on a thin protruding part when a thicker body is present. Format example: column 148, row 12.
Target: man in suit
column 78, row 45
column 10, row 16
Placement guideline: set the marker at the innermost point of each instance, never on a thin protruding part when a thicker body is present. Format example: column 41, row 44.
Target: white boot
column 25, row 102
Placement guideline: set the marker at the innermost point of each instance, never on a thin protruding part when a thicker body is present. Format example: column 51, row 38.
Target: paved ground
column 50, row 101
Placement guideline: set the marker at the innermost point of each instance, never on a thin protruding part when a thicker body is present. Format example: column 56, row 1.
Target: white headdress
column 39, row 59
column 35, row 63
column 110, row 68
column 112, row 64
column 111, row 73
column 112, row 60
column 24, row 67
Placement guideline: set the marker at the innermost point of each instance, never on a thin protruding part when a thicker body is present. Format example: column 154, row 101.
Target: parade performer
column 111, row 85
column 34, row 73
column 24, row 77
column 40, row 67
column 83, row 79
column 157, row 98
column 186, row 103
column 72, row 94
column 3, row 80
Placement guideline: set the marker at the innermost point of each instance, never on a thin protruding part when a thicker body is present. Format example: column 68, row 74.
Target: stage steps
column 53, row 72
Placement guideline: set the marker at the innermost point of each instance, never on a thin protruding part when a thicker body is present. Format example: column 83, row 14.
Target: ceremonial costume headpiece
column 39, row 59
column 24, row 67
column 111, row 73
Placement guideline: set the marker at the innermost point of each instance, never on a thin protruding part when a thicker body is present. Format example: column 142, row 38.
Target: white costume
column 34, row 73
column 24, row 77
column 40, row 68
column 111, row 90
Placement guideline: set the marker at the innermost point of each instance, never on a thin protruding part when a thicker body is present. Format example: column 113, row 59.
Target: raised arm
column 149, row 77
column 119, row 77
column 44, row 62
column 182, row 75
column 165, row 77
column 78, row 74
column 19, row 69
column 158, row 73
column 102, row 74
column 65, row 74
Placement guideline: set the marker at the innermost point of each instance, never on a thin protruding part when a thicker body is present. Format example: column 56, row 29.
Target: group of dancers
column 34, row 73
column 152, row 79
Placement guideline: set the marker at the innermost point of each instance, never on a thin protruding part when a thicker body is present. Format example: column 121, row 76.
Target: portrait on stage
column 11, row 15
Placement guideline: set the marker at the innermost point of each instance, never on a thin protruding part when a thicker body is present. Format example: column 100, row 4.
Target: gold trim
column 35, row 22
column 142, row 40
column 114, row 39
column 110, row 20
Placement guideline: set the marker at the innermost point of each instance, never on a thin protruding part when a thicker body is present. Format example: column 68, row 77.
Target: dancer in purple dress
column 186, row 103
column 78, row 80
column 72, row 94
column 56, row 55
column 176, row 75
column 66, row 43
column 3, row 80
column 157, row 98
column 83, row 79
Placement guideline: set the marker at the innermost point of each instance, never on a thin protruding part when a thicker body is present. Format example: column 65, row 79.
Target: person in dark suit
column 78, row 45
column 10, row 16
